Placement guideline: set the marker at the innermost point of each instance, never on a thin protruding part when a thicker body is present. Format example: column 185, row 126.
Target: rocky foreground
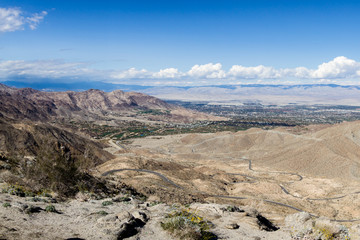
column 128, row 217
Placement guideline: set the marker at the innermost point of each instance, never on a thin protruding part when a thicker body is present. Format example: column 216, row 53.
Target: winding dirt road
column 164, row 178
column 254, row 179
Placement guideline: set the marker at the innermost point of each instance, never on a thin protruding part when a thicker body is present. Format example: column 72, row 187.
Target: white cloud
column 260, row 71
column 35, row 19
column 168, row 73
column 10, row 20
column 340, row 70
column 43, row 69
column 209, row 70
column 300, row 72
column 132, row 73
column 13, row 19
column 340, row 67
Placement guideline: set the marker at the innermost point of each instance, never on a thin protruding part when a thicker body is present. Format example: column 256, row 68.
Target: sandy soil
column 316, row 171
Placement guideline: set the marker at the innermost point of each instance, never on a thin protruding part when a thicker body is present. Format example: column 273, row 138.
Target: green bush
column 21, row 191
column 154, row 203
column 107, row 203
column 103, row 213
column 15, row 190
column 6, row 204
column 186, row 224
column 232, row 209
column 50, row 208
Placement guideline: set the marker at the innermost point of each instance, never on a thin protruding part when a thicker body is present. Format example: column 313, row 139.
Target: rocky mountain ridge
column 27, row 103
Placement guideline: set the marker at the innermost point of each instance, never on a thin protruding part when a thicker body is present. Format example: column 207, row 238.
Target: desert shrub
column 37, row 199
column 32, row 209
column 22, row 191
column 107, row 203
column 125, row 199
column 44, row 193
column 321, row 232
column 50, row 208
column 14, row 190
column 103, row 213
column 186, row 224
column 232, row 209
column 6, row 204
column 154, row 203
column 122, row 199
column 328, row 233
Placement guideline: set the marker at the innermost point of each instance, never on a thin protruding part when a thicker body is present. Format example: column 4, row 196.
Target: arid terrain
column 180, row 120
column 315, row 172
column 296, row 182
column 90, row 105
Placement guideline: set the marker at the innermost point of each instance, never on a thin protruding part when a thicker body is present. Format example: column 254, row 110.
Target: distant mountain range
column 263, row 94
column 224, row 94
column 90, row 105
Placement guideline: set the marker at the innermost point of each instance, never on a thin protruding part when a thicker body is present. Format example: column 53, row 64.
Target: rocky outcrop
column 92, row 219
column 303, row 226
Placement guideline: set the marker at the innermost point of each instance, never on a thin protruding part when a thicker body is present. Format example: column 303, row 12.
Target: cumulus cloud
column 260, row 71
column 167, row 73
column 340, row 67
column 209, row 70
column 10, row 20
column 132, row 73
column 340, row 70
column 299, row 72
column 13, row 19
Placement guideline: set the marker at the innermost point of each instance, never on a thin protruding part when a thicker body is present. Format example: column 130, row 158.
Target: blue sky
column 181, row 42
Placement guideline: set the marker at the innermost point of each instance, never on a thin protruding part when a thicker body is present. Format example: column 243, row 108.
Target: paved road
column 286, row 173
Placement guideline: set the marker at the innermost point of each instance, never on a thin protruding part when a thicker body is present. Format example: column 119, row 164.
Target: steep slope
column 92, row 104
column 30, row 139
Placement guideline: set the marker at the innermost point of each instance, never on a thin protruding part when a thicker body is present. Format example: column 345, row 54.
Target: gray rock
column 130, row 228
column 297, row 218
column 107, row 219
column 301, row 226
column 251, row 212
column 141, row 215
column 124, row 216
column 232, row 226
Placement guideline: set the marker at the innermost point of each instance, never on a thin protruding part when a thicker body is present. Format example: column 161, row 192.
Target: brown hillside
column 92, row 104
column 332, row 152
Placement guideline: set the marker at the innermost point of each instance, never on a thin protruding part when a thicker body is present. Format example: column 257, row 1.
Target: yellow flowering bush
column 187, row 224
